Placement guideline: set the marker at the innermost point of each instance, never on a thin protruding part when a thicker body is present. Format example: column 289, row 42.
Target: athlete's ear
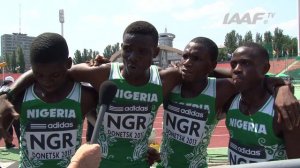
column 68, row 63
column 266, row 68
column 156, row 52
column 213, row 65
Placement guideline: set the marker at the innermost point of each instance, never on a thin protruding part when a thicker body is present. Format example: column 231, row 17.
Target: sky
column 94, row 24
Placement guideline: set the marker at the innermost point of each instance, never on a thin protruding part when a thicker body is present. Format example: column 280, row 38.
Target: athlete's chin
column 187, row 78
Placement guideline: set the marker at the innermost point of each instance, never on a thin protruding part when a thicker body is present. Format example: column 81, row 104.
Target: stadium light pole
column 62, row 20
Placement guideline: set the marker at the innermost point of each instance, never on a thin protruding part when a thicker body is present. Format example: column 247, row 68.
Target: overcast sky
column 93, row 24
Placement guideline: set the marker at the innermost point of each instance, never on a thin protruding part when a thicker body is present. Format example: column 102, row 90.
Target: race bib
column 50, row 140
column 185, row 124
column 241, row 154
column 127, row 121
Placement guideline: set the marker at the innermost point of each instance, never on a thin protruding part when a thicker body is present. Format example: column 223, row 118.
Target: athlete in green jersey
column 141, row 88
column 255, row 133
column 192, row 107
column 138, row 49
column 52, row 109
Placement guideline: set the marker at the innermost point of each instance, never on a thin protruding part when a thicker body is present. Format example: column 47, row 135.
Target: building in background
column 10, row 42
column 167, row 54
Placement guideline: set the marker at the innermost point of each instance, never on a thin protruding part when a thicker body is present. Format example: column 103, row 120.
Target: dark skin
column 137, row 53
column 196, row 65
column 248, row 71
column 53, row 85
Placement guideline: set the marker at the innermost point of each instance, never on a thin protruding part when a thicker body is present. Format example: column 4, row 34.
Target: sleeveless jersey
column 252, row 138
column 187, row 128
column 128, row 121
column 50, row 132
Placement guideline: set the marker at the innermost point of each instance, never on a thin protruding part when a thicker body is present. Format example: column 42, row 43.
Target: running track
column 219, row 138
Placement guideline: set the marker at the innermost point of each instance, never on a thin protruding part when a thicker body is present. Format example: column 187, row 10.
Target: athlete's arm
column 89, row 100
column 221, row 73
column 170, row 77
column 9, row 111
column 22, row 83
column 288, row 107
column 291, row 138
column 94, row 75
column 225, row 91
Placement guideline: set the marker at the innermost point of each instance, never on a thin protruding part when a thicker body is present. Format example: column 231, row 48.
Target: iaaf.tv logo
column 247, row 18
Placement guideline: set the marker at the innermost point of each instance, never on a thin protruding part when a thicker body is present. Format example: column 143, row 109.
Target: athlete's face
column 196, row 62
column 51, row 76
column 137, row 53
column 247, row 68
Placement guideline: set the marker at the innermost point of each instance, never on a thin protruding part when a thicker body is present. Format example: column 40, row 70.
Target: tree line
column 277, row 43
column 86, row 55
column 15, row 61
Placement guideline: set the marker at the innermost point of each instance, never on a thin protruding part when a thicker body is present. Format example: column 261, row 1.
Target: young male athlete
column 255, row 133
column 52, row 108
column 129, row 120
column 191, row 109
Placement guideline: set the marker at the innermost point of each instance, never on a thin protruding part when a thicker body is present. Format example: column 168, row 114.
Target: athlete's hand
column 98, row 61
column 288, row 107
column 152, row 156
column 7, row 112
column 87, row 156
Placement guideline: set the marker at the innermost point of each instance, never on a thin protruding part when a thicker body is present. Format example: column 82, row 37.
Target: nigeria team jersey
column 128, row 121
column 50, row 132
column 252, row 138
column 187, row 128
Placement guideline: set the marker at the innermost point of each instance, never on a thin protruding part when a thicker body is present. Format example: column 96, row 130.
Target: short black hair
column 143, row 28
column 49, row 48
column 209, row 45
column 258, row 50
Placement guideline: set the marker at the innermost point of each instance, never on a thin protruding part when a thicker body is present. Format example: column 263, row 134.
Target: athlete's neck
column 136, row 80
column 57, row 95
column 253, row 99
column 193, row 89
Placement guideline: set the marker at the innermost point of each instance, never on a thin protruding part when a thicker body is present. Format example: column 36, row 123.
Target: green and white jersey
column 187, row 128
column 128, row 121
column 252, row 138
column 50, row 132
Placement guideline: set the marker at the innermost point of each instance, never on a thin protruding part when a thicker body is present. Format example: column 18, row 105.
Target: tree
column 278, row 41
column 95, row 53
column 222, row 55
column 258, row 38
column 13, row 64
column 77, row 57
column 231, row 41
column 289, row 46
column 267, row 43
column 20, row 60
column 248, row 37
column 110, row 50
column 7, row 60
column 85, row 56
column 239, row 39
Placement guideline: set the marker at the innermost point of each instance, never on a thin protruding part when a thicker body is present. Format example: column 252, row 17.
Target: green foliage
column 278, row 41
column 258, row 38
column 248, row 37
column 222, row 55
column 110, row 50
column 279, row 44
column 231, row 41
column 13, row 64
column 20, row 60
column 85, row 56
